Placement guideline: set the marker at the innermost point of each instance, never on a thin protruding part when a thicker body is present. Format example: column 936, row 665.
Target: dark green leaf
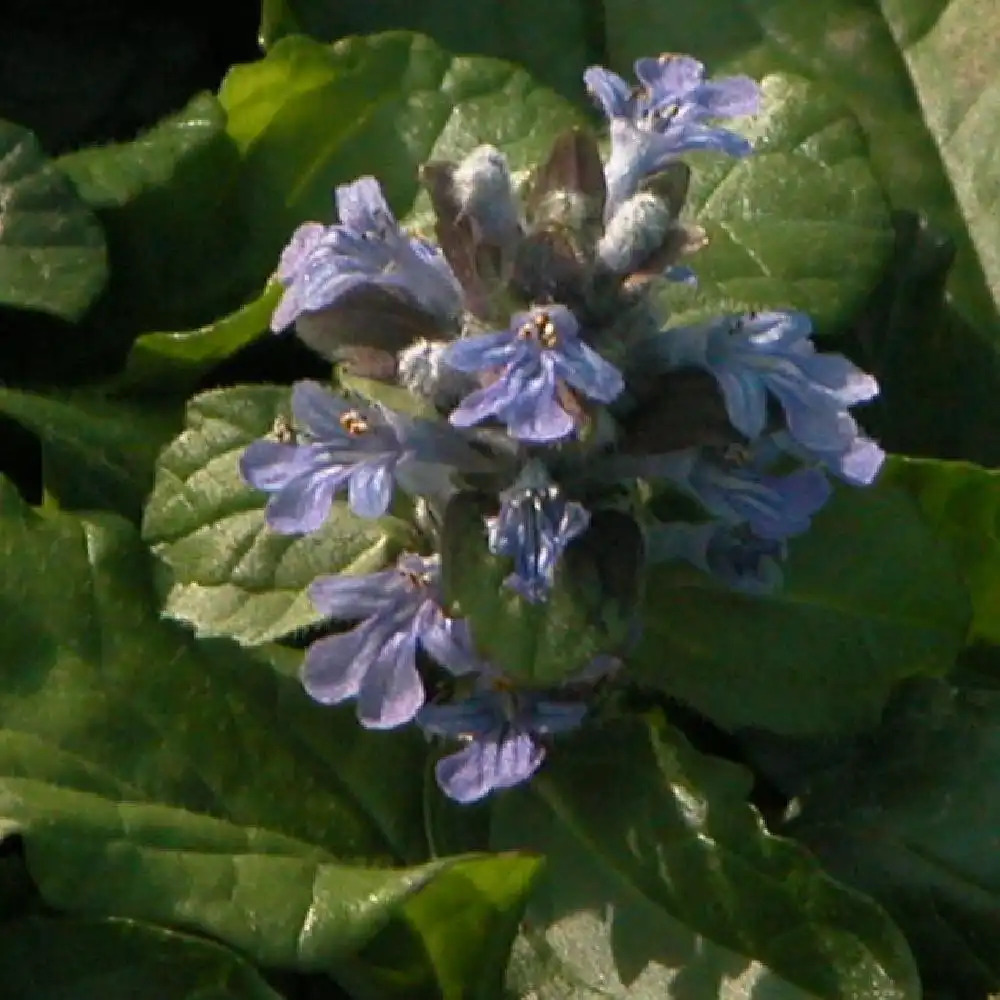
column 166, row 200
column 587, row 613
column 97, row 453
column 233, row 576
column 554, row 42
column 929, row 129
column 192, row 784
column 52, row 253
column 161, row 363
column 802, row 223
column 46, row 959
column 663, row 882
column 870, row 596
column 911, row 819
column 961, row 503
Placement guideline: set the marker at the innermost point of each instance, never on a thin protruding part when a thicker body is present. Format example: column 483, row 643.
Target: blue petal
column 480, row 353
column 860, row 464
column 370, row 489
column 535, row 415
column 361, row 206
column 319, row 411
column 271, row 465
column 304, row 504
column 303, row 241
column 669, row 77
column 746, row 399
column 447, row 640
column 609, row 89
column 729, row 97
column 489, row 402
column 584, row 369
column 334, row 667
column 481, row 767
column 350, row 598
column 391, row 691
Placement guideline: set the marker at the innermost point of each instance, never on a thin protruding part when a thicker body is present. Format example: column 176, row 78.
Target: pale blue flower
column 501, row 730
column 363, row 449
column 375, row 662
column 321, row 264
column 653, row 124
column 533, row 527
column 530, row 366
column 769, row 355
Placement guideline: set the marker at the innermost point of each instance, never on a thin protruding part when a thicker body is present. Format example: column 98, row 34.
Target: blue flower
column 534, row 525
column 770, row 355
column 773, row 507
column 733, row 556
column 530, row 364
column 364, row 449
column 323, row 263
column 501, row 730
column 376, row 661
column 653, row 124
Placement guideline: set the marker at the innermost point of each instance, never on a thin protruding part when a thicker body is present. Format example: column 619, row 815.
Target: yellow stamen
column 354, row 423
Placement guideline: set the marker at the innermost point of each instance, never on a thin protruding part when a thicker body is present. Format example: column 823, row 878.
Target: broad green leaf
column 911, row 819
column 51, row 959
column 664, row 882
column 921, row 77
column 961, row 503
column 452, row 939
column 587, row 613
column 802, row 223
column 52, row 253
column 310, row 116
column 870, row 596
column 233, row 576
column 920, row 349
column 161, row 363
column 166, row 201
column 97, row 453
column 554, row 41
column 193, row 784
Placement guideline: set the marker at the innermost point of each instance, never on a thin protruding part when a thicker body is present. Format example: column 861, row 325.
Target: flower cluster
column 542, row 378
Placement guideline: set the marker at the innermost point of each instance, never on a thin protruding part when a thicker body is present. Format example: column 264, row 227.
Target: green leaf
column 961, row 503
column 193, row 784
column 162, row 363
column 46, row 959
column 97, row 453
column 587, row 613
column 232, row 575
column 664, row 882
column 310, row 116
column 870, row 596
column 554, row 41
column 166, row 201
column 911, row 819
column 802, row 223
column 929, row 132
column 52, row 252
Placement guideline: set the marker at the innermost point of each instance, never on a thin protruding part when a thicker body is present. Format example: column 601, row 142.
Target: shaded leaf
column 52, row 252
column 783, row 223
column 663, row 882
column 232, row 575
column 97, row 453
column 46, row 959
column 870, row 596
column 911, row 819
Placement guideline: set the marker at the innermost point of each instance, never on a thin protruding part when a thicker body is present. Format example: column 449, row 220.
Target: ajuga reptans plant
column 540, row 402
